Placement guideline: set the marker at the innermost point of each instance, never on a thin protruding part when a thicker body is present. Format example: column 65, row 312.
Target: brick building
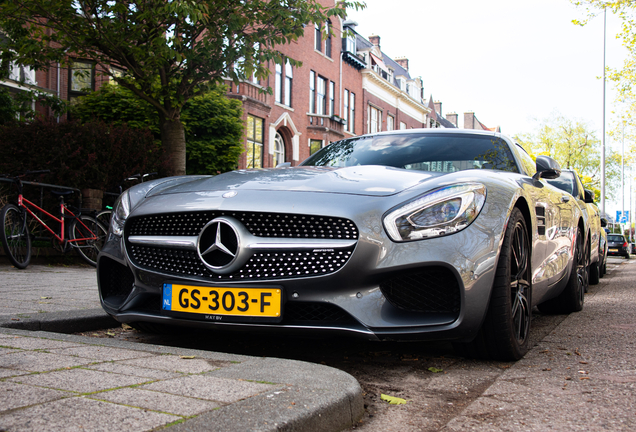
column 59, row 81
column 345, row 87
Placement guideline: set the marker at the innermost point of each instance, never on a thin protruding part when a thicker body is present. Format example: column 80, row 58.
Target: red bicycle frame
column 25, row 203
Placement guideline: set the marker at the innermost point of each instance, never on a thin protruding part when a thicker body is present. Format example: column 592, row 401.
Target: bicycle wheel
column 87, row 236
column 104, row 217
column 15, row 236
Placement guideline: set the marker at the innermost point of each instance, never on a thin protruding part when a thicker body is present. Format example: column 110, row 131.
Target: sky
column 513, row 63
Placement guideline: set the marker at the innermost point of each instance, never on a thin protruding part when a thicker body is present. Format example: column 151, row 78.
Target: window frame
column 252, row 142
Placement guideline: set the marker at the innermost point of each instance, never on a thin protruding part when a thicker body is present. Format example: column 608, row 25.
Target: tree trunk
column 174, row 144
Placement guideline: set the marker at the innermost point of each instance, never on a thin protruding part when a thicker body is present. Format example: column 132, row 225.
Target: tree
column 212, row 123
column 169, row 50
column 574, row 146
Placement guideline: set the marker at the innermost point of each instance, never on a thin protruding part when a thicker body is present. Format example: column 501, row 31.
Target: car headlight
column 120, row 214
column 440, row 212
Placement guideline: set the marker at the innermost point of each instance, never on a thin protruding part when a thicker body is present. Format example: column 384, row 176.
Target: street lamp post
column 603, row 141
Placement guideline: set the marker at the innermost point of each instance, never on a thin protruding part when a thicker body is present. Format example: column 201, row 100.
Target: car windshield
column 615, row 238
column 565, row 182
column 424, row 152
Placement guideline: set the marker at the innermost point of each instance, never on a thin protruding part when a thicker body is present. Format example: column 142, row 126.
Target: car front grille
column 258, row 224
column 431, row 290
column 286, row 261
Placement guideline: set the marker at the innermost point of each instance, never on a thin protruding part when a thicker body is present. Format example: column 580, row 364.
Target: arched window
column 279, row 150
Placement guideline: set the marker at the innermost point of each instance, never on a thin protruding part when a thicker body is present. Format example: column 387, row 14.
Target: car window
column 424, row 152
column 526, row 161
column 564, row 182
column 616, row 238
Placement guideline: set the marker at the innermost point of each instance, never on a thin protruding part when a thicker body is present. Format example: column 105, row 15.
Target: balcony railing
column 333, row 123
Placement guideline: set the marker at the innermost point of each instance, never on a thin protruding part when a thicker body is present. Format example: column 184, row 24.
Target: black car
column 617, row 245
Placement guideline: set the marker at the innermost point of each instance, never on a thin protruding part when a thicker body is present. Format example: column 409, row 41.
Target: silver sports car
column 410, row 235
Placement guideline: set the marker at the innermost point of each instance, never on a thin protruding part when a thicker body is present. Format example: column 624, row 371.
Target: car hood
column 359, row 180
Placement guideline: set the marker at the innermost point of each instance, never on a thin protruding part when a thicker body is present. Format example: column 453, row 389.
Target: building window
column 283, row 83
column 348, row 111
column 279, row 84
column 289, row 78
column 352, row 113
column 22, row 74
column 345, row 109
column 328, row 40
column 279, row 150
column 350, row 41
column 318, row 38
column 332, row 97
column 321, row 95
column 254, row 142
column 314, row 146
column 402, row 126
column 312, row 92
column 375, row 120
column 390, row 122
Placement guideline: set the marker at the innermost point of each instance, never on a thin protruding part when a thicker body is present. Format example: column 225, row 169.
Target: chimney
column 469, row 120
column 403, row 61
column 375, row 40
column 438, row 107
column 452, row 117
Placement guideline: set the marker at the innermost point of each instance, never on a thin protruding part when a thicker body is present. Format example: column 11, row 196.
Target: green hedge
column 90, row 155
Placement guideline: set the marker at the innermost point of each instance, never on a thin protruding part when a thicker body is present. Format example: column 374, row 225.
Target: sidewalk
column 57, row 382
column 582, row 377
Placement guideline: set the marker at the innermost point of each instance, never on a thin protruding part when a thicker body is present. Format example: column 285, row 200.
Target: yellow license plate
column 613, row 250
column 249, row 302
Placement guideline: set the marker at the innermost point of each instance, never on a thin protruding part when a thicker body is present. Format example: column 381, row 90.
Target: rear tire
column 573, row 296
column 505, row 332
column 86, row 229
column 15, row 237
column 595, row 273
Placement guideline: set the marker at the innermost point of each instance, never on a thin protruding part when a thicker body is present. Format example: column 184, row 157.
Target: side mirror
column 589, row 197
column 603, row 222
column 547, row 168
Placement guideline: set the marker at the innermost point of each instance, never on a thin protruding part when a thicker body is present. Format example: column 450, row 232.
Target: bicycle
column 85, row 234
column 104, row 215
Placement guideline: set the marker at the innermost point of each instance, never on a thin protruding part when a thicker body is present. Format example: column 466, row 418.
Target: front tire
column 505, row 332
column 15, row 236
column 88, row 237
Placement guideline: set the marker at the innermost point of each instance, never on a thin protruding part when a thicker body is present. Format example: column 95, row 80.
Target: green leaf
column 393, row 400
column 435, row 370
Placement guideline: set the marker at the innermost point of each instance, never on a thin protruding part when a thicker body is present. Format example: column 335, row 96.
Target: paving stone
column 80, row 414
column 14, row 395
column 29, row 343
column 34, row 361
column 137, row 371
column 102, row 353
column 173, row 363
column 157, row 401
column 211, row 388
column 5, row 373
column 79, row 380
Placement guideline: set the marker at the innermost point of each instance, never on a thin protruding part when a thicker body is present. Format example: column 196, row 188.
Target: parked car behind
column 617, row 245
column 570, row 182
